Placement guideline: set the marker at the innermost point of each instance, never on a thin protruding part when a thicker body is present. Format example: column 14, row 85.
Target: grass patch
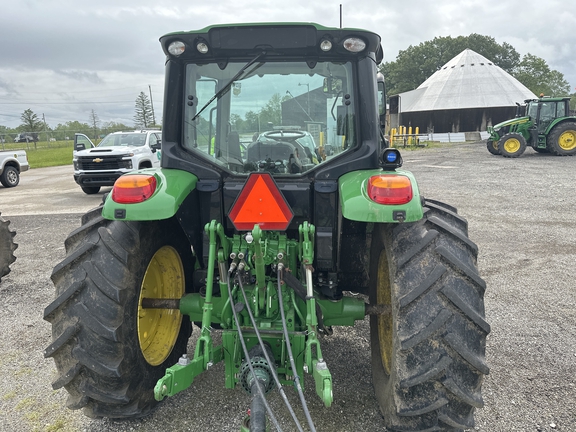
column 33, row 416
column 58, row 425
column 47, row 157
column 9, row 395
column 23, row 372
column 25, row 403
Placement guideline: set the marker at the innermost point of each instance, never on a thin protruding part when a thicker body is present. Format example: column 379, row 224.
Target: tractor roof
column 286, row 39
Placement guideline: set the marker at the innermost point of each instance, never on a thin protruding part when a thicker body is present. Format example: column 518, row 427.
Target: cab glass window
column 282, row 117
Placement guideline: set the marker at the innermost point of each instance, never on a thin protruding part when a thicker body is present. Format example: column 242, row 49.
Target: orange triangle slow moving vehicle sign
column 262, row 203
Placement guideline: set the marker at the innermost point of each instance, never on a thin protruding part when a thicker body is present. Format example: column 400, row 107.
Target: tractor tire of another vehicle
column 512, row 145
column 492, row 147
column 10, row 177
column 109, row 351
column 7, row 247
column 90, row 190
column 562, row 139
column 428, row 348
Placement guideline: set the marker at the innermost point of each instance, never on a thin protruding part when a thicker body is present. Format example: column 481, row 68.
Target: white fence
column 458, row 136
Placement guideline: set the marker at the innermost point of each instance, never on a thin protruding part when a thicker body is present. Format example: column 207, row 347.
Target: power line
column 90, row 91
column 62, row 103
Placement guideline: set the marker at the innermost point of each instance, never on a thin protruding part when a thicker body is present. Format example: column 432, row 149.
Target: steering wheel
column 281, row 135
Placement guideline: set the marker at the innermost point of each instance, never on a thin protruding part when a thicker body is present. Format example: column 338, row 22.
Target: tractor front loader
column 277, row 203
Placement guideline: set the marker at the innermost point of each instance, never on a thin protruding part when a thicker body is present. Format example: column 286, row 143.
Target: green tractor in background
column 271, row 243
column 543, row 124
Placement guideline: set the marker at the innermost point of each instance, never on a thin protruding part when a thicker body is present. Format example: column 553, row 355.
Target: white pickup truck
column 117, row 154
column 12, row 163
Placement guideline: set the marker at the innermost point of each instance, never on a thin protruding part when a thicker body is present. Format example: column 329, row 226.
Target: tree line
column 94, row 128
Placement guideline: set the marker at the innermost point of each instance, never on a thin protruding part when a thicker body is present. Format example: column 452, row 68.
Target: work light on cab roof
column 176, row 48
column 354, row 44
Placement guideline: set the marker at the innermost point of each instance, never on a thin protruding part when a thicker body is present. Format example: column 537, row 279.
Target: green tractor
column 249, row 232
column 543, row 124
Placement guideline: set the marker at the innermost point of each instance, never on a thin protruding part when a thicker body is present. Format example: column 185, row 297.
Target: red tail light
column 131, row 189
column 390, row 189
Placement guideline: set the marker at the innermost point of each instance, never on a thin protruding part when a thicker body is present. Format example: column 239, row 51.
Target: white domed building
column 467, row 94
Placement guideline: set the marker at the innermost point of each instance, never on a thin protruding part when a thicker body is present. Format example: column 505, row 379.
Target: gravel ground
column 520, row 213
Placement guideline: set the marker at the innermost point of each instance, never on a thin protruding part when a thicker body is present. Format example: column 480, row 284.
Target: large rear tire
column 109, row 352
column 428, row 353
column 512, row 145
column 562, row 139
column 7, row 247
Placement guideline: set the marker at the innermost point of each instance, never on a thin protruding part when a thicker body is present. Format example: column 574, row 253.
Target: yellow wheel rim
column 512, row 145
column 158, row 328
column 385, row 323
column 567, row 140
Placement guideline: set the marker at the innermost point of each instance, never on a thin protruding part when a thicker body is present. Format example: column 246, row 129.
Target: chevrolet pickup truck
column 117, row 154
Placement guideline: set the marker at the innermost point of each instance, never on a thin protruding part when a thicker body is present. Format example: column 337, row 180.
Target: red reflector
column 131, row 189
column 262, row 203
column 390, row 189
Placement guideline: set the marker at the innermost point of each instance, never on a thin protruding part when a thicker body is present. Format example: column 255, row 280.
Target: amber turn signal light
column 131, row 189
column 390, row 189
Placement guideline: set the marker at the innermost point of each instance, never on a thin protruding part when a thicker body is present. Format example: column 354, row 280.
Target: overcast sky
column 64, row 58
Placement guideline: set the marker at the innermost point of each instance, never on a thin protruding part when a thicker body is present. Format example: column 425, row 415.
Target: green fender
column 357, row 205
column 555, row 122
column 172, row 187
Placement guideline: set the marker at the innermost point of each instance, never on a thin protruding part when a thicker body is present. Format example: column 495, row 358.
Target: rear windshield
column 281, row 117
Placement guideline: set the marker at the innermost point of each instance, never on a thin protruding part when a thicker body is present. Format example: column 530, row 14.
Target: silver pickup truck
column 12, row 163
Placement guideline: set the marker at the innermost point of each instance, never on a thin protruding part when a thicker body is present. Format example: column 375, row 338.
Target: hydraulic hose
column 257, row 410
column 291, row 355
column 258, row 386
column 269, row 360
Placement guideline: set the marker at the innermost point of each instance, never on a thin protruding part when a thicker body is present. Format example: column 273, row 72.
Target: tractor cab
column 239, row 95
column 542, row 113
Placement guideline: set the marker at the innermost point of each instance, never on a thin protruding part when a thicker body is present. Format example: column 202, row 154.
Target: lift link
column 313, row 356
column 180, row 376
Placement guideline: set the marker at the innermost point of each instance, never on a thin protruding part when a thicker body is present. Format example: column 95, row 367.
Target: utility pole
column 308, row 93
column 45, row 132
column 152, row 105
column 340, row 15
